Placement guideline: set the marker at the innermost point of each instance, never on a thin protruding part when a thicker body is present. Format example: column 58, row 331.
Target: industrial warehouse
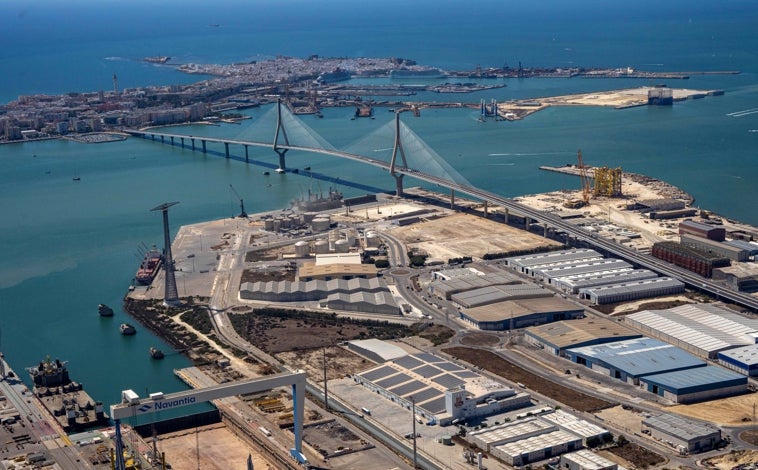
column 558, row 336
column 441, row 391
column 533, row 439
column 515, row 314
column 682, row 434
column 701, row 329
column 661, row 369
column 600, row 280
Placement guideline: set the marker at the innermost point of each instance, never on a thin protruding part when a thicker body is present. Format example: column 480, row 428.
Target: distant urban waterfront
column 70, row 245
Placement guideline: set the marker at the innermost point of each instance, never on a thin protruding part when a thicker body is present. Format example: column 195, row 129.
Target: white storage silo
column 321, row 247
column 320, row 224
column 372, row 239
column 302, row 249
column 268, row 224
column 341, row 246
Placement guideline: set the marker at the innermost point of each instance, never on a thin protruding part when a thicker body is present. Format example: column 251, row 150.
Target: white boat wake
column 744, row 112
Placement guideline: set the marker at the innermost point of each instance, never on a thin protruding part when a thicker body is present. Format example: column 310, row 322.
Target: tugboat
column 104, row 310
column 156, row 353
column 127, row 329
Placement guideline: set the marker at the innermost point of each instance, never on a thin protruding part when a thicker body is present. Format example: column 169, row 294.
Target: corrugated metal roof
column 573, row 424
column 750, row 247
column 383, row 349
column 579, row 268
column 747, row 355
column 522, row 307
column 568, row 333
column 641, row 286
column 492, row 294
column 540, row 258
column 706, row 327
column 683, row 428
column 537, row 443
column 605, row 278
column 640, row 356
column 711, row 377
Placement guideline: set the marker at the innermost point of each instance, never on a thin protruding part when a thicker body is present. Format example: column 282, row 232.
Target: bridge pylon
column 280, row 130
column 398, row 147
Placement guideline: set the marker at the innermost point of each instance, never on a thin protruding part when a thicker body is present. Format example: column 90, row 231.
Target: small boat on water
column 127, row 329
column 104, row 310
column 266, row 173
column 156, row 353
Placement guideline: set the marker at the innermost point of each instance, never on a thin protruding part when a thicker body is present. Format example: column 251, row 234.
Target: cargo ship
column 319, row 202
column 149, row 267
column 65, row 399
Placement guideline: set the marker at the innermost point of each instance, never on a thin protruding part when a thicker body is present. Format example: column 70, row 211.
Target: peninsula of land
column 306, row 86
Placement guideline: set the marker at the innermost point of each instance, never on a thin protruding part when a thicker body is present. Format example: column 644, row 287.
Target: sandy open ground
column 467, row 235
column 219, row 449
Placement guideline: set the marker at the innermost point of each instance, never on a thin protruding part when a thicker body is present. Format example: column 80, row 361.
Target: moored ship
column 127, row 329
column 65, row 399
column 149, row 267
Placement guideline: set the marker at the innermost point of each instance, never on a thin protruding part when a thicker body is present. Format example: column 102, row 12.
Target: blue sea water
column 69, row 246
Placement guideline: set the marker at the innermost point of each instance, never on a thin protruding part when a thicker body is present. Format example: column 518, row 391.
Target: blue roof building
column 632, row 359
column 698, row 384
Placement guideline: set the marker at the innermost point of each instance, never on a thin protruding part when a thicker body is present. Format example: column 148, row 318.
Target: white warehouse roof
column 706, row 328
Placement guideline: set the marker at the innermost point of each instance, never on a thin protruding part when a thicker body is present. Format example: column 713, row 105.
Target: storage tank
column 285, row 222
column 372, row 239
column 277, row 225
column 320, row 224
column 302, row 249
column 341, row 246
column 321, row 247
column 309, row 216
column 268, row 224
column 295, row 220
column 350, row 235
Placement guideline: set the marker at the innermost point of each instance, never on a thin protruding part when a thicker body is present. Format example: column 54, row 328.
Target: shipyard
column 424, row 224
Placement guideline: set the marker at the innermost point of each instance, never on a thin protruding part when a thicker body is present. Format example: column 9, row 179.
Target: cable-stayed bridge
column 399, row 145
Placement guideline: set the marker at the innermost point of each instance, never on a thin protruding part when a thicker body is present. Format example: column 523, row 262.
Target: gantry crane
column 242, row 203
column 585, row 180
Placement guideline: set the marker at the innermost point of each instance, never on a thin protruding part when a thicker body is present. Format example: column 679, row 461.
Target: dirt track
column 501, row 367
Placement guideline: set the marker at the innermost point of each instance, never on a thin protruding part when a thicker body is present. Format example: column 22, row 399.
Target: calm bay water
column 68, row 245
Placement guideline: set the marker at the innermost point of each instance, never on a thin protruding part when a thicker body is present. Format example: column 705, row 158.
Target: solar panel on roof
column 425, row 394
column 447, row 381
column 407, row 388
column 373, row 375
column 466, row 374
column 449, row 366
column 435, row 406
column 409, row 362
column 392, row 381
column 431, row 358
column 427, row 371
